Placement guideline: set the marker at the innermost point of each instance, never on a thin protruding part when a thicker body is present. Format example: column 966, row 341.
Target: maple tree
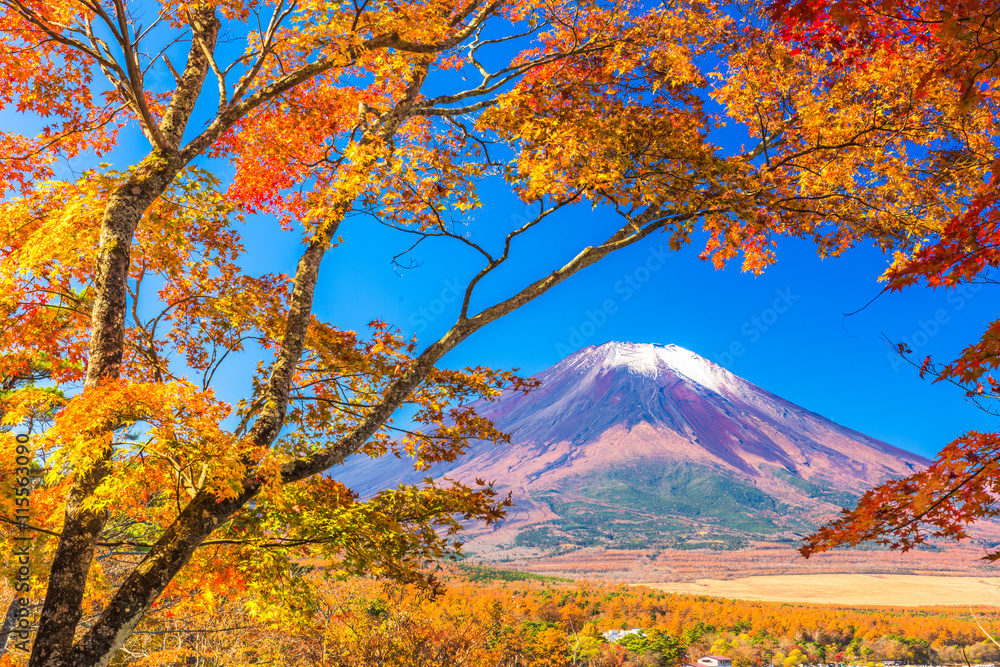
column 956, row 42
column 151, row 495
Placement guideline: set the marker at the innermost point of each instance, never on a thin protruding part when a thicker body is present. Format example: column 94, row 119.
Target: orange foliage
column 527, row 623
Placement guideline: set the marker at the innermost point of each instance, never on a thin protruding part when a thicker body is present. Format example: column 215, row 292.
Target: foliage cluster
column 559, row 625
column 530, row 623
column 483, row 573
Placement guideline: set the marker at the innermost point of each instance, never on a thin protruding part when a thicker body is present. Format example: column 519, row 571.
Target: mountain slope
column 640, row 445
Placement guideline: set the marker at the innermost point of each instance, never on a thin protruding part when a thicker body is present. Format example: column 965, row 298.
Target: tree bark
column 8, row 624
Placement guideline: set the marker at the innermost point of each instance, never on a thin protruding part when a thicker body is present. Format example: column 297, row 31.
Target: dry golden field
column 897, row 590
column 638, row 566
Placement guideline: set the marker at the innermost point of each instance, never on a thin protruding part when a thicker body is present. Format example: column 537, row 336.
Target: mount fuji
column 645, row 446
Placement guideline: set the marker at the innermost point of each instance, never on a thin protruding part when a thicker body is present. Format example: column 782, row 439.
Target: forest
column 491, row 617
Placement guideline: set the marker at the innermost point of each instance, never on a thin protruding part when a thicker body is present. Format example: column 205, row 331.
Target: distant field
column 898, row 590
column 634, row 566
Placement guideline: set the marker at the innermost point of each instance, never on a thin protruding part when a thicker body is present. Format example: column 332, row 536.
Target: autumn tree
column 956, row 44
column 120, row 285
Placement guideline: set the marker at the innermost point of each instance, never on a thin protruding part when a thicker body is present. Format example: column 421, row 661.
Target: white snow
column 649, row 359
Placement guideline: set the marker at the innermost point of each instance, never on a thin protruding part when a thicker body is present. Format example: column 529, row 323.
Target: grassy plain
column 897, row 590
column 642, row 565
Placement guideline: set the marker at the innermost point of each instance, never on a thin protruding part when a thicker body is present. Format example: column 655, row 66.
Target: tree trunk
column 62, row 608
column 8, row 624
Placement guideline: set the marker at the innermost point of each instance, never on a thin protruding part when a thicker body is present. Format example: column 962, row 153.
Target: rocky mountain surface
column 652, row 446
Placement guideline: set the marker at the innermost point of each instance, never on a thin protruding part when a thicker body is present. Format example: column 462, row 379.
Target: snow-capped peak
column 651, row 359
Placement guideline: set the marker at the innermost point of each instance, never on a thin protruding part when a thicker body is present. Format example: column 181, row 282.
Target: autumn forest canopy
column 141, row 496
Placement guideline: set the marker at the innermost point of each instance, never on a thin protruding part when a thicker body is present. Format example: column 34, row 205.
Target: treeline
column 637, row 566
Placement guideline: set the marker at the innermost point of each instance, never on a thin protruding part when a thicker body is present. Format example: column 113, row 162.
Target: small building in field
column 715, row 661
column 614, row 635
